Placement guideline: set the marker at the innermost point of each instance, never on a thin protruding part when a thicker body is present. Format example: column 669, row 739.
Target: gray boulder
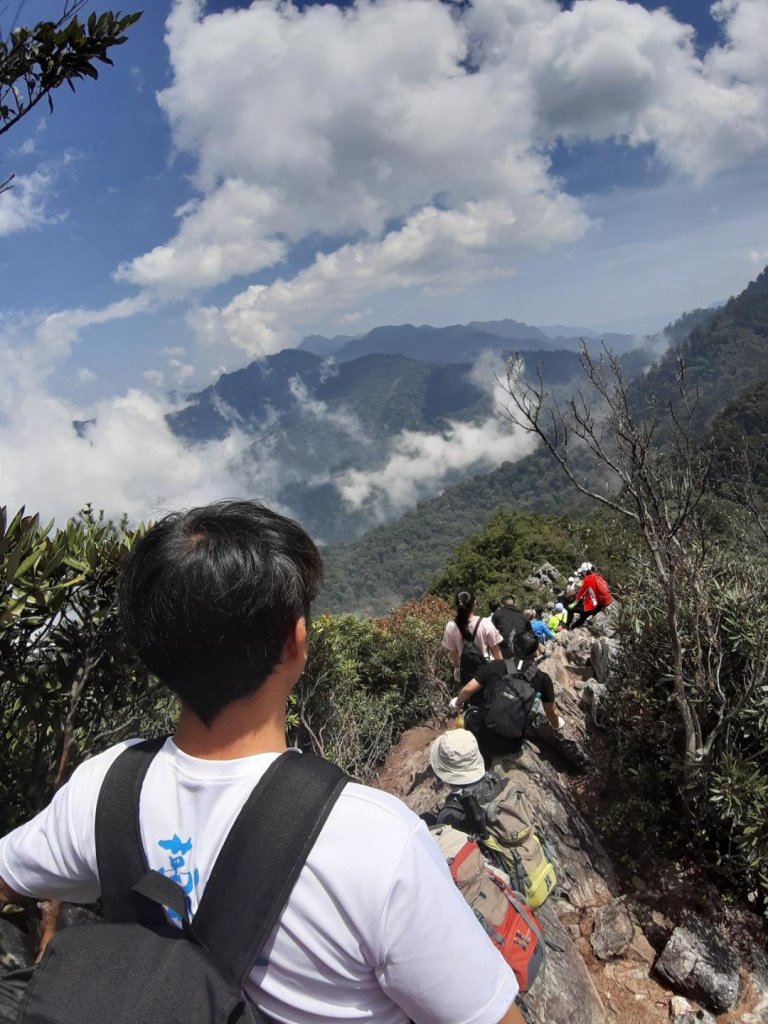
column 699, row 963
column 545, row 576
column 563, row 990
column 604, row 655
column 612, row 933
column 700, row 1017
column 592, row 700
column 607, row 622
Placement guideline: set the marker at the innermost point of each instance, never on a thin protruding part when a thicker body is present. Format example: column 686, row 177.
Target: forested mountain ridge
column 397, row 561
column 725, row 350
column 314, row 421
column 723, row 354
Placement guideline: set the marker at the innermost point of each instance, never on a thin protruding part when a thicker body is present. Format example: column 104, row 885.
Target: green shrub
column 501, row 556
column 719, row 814
column 367, row 681
column 69, row 686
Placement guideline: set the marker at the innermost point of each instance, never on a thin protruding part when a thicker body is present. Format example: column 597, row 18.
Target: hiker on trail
column 216, row 601
column 509, row 621
column 557, row 619
column 456, row 760
column 470, row 640
column 472, row 699
column 592, row 596
column 539, row 627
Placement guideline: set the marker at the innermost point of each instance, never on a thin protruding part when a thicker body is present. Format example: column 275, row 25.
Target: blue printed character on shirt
column 178, row 870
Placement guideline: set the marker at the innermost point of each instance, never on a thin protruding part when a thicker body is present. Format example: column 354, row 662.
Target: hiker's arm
column 512, row 1016
column 552, row 716
column 7, row 894
column 495, row 652
column 466, row 692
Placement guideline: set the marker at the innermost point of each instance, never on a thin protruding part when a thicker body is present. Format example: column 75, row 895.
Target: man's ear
column 296, row 642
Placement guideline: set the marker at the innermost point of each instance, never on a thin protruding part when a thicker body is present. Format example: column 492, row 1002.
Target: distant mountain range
column 725, row 349
column 330, row 432
column 347, row 433
column 462, row 343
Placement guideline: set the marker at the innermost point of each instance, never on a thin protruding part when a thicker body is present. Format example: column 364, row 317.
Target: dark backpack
column 507, row 702
column 137, row 967
column 471, row 659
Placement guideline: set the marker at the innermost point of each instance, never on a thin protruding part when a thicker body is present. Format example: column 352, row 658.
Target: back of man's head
column 508, row 600
column 526, row 644
column 210, row 596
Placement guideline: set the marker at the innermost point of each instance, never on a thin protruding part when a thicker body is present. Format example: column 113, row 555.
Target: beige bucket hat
column 456, row 758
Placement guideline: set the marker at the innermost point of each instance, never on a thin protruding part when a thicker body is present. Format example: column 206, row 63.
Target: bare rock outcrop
column 698, row 963
column 564, row 990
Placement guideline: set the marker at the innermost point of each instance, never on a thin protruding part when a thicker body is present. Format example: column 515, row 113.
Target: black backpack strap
column 261, row 859
column 527, row 673
column 120, row 857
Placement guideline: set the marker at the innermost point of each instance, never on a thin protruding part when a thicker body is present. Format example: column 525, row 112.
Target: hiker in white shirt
column 216, row 600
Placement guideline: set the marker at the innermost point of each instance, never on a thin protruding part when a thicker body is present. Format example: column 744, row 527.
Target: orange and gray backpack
column 508, row 921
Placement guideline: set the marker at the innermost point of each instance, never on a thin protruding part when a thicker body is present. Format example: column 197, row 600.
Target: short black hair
column 526, row 644
column 507, row 598
column 209, row 596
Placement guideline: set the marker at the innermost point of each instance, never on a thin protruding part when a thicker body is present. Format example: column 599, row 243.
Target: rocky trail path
column 622, row 950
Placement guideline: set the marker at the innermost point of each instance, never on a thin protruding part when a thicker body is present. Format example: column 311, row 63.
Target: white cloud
column 126, row 461
column 84, row 375
column 23, row 205
column 419, row 463
column 758, row 257
column 155, row 378
column 359, row 118
column 318, row 410
column 57, row 332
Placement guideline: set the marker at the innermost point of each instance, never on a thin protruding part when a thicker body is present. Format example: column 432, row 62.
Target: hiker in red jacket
column 592, row 596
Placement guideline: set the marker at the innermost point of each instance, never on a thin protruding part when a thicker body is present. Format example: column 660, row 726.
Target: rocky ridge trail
column 618, row 950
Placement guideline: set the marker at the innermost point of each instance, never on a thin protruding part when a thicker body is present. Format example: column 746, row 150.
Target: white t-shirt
column 487, row 636
column 375, row 929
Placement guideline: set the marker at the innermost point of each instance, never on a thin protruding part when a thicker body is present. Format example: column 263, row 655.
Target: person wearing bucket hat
column 456, row 759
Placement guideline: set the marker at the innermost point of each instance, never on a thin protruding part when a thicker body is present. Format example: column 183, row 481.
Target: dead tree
column 657, row 486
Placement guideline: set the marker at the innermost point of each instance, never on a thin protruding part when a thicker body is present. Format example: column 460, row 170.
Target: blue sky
column 244, row 176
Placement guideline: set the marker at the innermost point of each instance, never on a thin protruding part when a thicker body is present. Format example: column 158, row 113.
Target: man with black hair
column 470, row 700
column 509, row 621
column 216, row 600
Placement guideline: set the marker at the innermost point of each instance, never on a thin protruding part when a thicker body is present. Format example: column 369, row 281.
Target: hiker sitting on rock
column 592, row 596
column 456, row 760
column 558, row 617
column 470, row 640
column 501, row 733
column 539, row 627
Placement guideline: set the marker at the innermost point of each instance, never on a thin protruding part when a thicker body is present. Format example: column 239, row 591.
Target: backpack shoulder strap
column 530, row 672
column 120, row 857
column 262, row 856
column 474, row 631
